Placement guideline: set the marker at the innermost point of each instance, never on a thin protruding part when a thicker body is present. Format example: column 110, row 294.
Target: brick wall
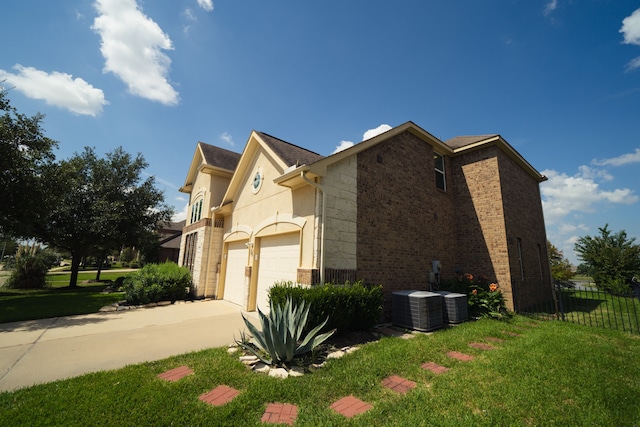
column 526, row 235
column 482, row 242
column 404, row 221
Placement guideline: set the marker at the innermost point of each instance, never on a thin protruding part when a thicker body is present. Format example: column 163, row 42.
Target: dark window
column 190, row 244
column 439, row 163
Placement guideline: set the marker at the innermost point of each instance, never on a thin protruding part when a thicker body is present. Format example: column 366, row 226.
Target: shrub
column 30, row 268
column 156, row 282
column 484, row 299
column 352, row 306
column 281, row 333
column 616, row 286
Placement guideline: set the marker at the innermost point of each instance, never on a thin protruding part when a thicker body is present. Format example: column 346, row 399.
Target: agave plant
column 280, row 337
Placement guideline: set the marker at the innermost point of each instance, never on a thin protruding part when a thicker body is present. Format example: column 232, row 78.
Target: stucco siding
column 341, row 212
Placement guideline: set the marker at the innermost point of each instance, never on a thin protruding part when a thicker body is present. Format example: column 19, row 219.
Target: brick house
column 386, row 211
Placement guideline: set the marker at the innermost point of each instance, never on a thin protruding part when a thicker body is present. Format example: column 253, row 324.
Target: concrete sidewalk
column 40, row 351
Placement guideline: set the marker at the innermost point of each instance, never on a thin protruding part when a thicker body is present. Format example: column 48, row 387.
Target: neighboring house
column 170, row 234
column 381, row 211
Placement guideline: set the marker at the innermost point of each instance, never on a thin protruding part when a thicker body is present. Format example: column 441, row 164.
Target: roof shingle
column 291, row 154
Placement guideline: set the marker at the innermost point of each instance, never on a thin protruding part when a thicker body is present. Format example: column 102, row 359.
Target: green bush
column 483, row 298
column 30, row 268
column 157, row 282
column 352, row 306
column 616, row 286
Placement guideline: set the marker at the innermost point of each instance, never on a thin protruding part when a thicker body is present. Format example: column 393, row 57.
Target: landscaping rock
column 296, row 371
column 232, row 350
column 108, row 308
column 335, row 354
column 261, row 368
column 249, row 360
column 278, row 373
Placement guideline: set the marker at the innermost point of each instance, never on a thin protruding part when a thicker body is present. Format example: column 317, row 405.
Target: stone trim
column 204, row 222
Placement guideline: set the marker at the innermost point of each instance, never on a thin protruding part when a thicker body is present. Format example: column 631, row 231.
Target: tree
column 103, row 204
column 613, row 258
column 560, row 266
column 24, row 153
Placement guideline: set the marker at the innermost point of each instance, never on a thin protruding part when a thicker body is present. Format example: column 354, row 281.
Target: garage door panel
column 279, row 261
column 234, row 283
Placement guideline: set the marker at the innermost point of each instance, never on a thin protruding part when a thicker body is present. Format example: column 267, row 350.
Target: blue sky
column 558, row 79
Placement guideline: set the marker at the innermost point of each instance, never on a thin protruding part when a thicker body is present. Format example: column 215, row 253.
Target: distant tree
column 560, row 266
column 103, row 204
column 613, row 259
column 24, row 154
column 584, row 269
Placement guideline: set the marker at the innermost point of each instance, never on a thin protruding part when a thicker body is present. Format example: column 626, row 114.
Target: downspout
column 324, row 204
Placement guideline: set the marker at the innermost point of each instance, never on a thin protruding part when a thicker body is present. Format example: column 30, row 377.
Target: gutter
column 324, row 204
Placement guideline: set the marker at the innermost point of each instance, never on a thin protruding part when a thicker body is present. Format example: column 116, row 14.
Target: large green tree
column 613, row 258
column 102, row 205
column 24, row 154
column 560, row 266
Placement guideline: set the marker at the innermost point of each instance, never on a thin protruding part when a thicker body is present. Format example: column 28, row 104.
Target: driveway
column 40, row 351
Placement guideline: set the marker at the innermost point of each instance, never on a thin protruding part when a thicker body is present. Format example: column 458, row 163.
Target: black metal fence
column 584, row 304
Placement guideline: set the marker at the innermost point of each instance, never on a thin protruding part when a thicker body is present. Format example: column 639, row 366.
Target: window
column 196, row 211
column 190, row 244
column 439, row 163
column 520, row 258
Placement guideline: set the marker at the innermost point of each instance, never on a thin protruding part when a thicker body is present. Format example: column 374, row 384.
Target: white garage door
column 279, row 260
column 234, row 282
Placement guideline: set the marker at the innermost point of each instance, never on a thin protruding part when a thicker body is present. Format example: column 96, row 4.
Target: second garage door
column 279, row 260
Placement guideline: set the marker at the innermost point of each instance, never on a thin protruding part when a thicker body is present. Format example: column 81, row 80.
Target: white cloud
column 343, row 146
column 132, row 46
column 59, row 89
column 206, row 5
column 550, row 7
column 375, row 132
column 631, row 32
column 226, row 137
column 181, row 215
column 623, row 159
column 188, row 13
column 563, row 194
column 367, row 135
column 593, row 174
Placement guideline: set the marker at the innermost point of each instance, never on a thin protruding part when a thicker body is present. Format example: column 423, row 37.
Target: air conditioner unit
column 419, row 310
column 454, row 307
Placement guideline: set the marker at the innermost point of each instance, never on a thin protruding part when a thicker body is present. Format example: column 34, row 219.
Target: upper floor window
column 196, row 211
column 439, row 163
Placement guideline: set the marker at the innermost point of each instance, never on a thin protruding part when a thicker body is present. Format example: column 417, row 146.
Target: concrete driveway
column 40, row 351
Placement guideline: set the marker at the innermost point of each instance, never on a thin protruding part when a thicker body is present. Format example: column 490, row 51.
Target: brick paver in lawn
column 434, row 367
column 494, row 339
column 481, row 346
column 176, row 373
column 280, row 413
column 460, row 356
column 350, row 406
column 219, row 395
column 398, row 384
column 511, row 334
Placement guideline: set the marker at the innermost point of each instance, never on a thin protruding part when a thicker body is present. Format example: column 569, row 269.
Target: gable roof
column 219, row 157
column 210, row 159
column 291, row 154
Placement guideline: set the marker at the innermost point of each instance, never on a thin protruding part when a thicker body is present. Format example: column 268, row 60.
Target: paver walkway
column 348, row 406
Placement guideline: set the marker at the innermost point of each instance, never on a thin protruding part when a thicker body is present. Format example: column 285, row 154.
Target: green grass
column 554, row 374
column 57, row 299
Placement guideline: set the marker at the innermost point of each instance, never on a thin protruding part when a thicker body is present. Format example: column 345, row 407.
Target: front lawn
column 57, row 299
column 551, row 373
